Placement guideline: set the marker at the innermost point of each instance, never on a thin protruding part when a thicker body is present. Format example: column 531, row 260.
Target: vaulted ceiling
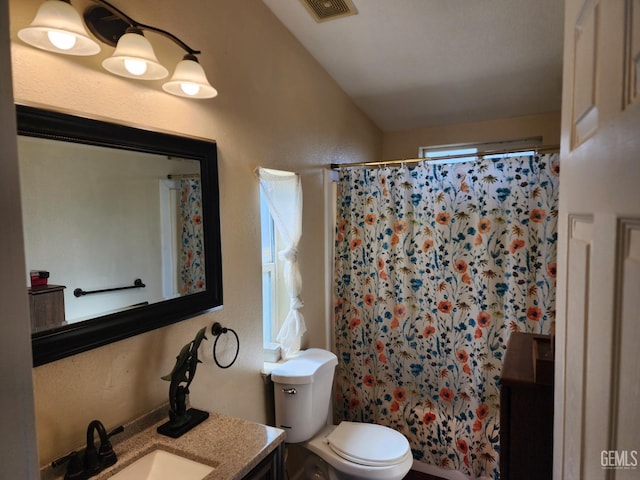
column 417, row 63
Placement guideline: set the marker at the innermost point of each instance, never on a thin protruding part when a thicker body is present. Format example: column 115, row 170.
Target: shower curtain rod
column 181, row 176
column 538, row 150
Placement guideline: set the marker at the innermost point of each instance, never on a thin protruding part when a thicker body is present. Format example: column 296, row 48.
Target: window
column 269, row 274
column 467, row 150
column 450, row 152
column 281, row 196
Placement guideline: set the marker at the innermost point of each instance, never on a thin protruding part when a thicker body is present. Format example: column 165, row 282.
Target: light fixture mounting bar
column 109, row 23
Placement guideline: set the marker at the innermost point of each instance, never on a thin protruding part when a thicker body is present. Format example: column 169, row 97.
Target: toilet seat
column 368, row 444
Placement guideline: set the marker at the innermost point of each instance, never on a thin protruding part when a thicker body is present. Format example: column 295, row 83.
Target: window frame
column 432, row 152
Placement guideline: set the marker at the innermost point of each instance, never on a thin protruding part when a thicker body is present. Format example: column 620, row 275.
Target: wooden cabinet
column 46, row 306
column 271, row 468
column 526, row 413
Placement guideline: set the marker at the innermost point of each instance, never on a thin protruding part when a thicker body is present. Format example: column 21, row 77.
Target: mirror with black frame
column 121, row 229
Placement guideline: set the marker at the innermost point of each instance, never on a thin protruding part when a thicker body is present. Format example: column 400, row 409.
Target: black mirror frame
column 72, row 339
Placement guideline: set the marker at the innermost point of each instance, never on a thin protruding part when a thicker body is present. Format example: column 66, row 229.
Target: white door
column 597, row 403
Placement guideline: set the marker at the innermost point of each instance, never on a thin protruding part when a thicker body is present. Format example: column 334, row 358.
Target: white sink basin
column 162, row 465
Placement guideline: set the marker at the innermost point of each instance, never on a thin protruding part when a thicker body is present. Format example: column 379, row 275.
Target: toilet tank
column 302, row 391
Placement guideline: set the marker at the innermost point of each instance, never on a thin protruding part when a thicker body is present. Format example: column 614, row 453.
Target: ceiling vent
column 323, row 10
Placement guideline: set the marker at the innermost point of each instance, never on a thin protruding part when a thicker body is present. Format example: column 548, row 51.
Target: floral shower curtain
column 435, row 266
column 191, row 261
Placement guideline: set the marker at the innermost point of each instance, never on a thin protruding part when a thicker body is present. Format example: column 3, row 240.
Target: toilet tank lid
column 303, row 368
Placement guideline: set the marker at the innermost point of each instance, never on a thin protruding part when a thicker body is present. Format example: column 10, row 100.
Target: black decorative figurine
column 182, row 420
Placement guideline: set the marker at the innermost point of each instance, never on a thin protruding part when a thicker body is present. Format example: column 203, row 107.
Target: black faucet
column 95, row 459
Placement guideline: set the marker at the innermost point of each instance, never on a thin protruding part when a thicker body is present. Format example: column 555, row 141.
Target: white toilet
column 352, row 451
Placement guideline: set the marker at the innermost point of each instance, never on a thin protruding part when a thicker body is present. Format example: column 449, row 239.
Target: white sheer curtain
column 283, row 192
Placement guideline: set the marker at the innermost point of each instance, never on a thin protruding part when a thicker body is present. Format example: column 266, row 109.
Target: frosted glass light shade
column 189, row 80
column 134, row 58
column 57, row 27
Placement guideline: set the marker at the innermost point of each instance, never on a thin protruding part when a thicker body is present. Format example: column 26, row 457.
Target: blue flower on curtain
column 435, row 266
column 192, row 272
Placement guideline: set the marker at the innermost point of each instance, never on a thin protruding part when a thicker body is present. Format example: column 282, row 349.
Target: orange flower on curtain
column 435, row 266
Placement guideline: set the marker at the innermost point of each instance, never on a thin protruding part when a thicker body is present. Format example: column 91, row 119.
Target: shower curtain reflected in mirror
column 435, row 266
column 191, row 261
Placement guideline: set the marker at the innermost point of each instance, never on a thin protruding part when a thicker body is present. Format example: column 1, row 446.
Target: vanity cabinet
column 46, row 307
column 526, row 412
column 271, row 468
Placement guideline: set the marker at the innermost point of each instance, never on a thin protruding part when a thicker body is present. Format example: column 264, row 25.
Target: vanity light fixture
column 134, row 58
column 58, row 28
column 189, row 80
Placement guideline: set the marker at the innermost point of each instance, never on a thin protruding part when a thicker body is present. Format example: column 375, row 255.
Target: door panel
column 585, row 68
column 578, row 273
column 632, row 50
column 626, row 343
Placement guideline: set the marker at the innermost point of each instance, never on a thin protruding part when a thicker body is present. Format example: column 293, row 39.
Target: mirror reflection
column 119, row 228
column 113, row 237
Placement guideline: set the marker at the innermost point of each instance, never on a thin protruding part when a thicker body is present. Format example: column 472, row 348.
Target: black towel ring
column 217, row 330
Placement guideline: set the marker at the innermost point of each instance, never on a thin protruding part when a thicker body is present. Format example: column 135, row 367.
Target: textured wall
column 278, row 108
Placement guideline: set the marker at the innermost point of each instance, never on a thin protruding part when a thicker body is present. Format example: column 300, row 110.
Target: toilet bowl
column 351, row 450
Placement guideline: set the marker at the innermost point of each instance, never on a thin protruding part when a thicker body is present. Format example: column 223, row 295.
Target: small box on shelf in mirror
column 39, row 277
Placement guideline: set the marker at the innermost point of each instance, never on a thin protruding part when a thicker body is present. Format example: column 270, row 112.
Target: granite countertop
column 232, row 445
